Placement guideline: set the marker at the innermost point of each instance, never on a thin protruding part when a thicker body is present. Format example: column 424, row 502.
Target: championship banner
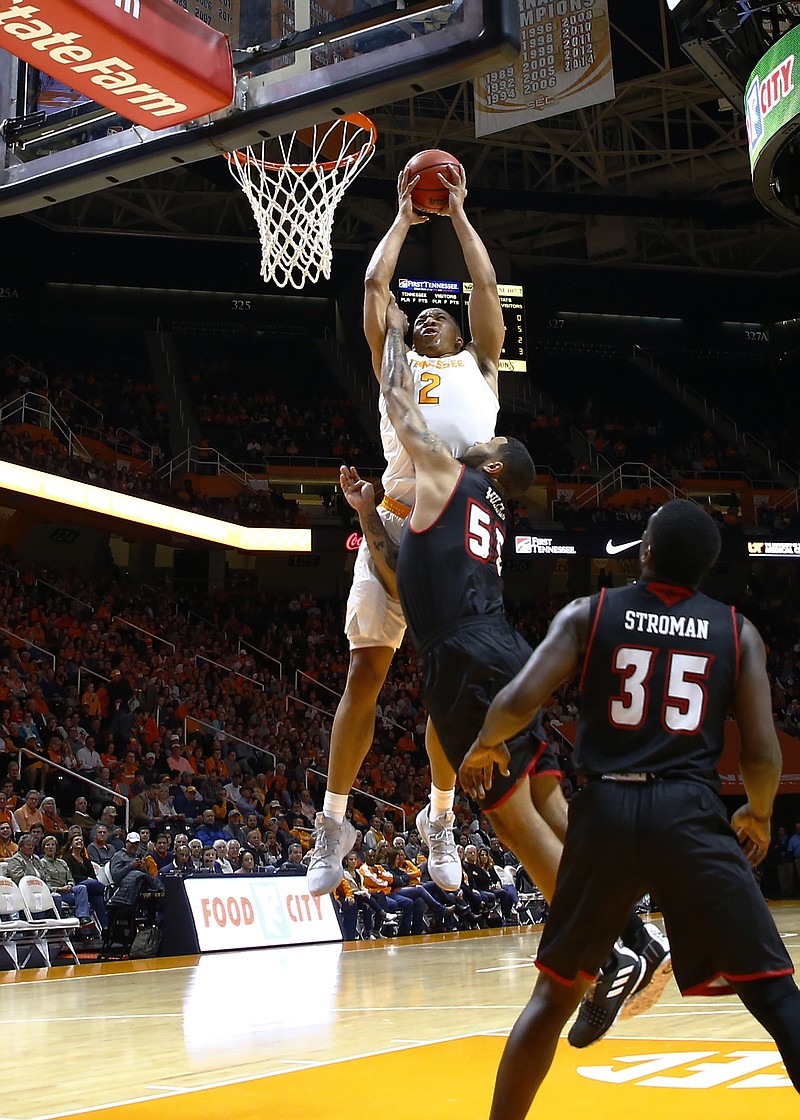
column 222, row 15
column 148, row 60
column 728, row 765
column 564, row 64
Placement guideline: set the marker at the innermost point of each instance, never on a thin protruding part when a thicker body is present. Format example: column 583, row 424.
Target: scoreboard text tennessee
column 453, row 296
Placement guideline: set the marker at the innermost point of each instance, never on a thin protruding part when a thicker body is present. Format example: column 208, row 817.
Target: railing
column 530, row 400
column 177, row 395
column 33, row 408
column 76, row 776
column 200, row 460
column 721, row 420
column 80, row 400
column 243, row 645
column 81, row 670
column 202, row 657
column 136, row 441
column 26, row 365
column 363, row 793
column 28, row 644
column 312, row 707
column 119, row 447
column 228, row 737
column 789, row 500
column 141, row 629
column 317, row 684
column 637, row 475
column 361, row 383
column 63, row 594
column 170, row 598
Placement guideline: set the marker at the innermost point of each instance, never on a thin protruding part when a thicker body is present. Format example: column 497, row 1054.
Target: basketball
column 430, row 195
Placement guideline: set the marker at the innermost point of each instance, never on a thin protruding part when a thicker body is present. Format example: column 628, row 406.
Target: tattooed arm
column 361, row 496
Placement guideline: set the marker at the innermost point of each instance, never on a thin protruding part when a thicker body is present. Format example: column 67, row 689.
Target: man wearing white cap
column 127, row 860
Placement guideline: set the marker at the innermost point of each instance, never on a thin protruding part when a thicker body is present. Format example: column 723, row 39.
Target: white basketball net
column 294, row 203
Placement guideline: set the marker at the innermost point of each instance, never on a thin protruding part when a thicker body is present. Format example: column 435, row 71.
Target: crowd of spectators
column 184, row 730
column 99, row 393
column 272, row 415
column 255, row 429
column 626, row 417
column 191, row 728
column 45, row 451
column 255, row 425
column 324, row 425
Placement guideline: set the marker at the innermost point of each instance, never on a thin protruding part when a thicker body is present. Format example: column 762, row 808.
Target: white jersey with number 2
column 456, row 402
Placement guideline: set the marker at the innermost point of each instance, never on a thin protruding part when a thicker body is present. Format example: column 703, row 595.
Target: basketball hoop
column 293, row 203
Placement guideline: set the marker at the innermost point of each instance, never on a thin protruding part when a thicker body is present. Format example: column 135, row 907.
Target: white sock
column 334, row 805
column 441, row 801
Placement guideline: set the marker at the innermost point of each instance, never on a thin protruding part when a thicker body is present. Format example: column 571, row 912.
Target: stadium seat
column 15, row 930
column 42, row 913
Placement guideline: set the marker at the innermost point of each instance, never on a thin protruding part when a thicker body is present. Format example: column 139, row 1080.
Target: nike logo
column 613, row 549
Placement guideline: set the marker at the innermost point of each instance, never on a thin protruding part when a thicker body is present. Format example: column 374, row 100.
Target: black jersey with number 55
column 451, row 571
column 658, row 682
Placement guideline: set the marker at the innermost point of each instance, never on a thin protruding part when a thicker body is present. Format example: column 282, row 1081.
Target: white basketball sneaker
column 332, row 841
column 443, row 859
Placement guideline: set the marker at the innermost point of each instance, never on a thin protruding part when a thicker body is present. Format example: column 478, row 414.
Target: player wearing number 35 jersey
column 660, row 667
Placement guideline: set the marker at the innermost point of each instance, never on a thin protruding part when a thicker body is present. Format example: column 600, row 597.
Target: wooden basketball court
column 416, row 1026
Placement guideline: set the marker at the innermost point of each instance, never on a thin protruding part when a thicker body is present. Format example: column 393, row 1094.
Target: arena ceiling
column 656, row 178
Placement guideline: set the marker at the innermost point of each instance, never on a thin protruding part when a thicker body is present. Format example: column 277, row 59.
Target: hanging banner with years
column 564, row 64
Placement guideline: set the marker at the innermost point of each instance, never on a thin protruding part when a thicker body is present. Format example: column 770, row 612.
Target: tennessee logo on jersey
column 454, row 361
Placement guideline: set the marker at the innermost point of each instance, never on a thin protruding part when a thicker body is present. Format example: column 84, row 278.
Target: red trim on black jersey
column 421, row 532
column 600, row 602
column 562, row 979
column 736, row 649
column 710, row 987
column 668, row 593
column 528, row 769
column 543, row 744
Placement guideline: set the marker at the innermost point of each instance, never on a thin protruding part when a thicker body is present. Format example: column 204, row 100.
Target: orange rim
column 361, row 120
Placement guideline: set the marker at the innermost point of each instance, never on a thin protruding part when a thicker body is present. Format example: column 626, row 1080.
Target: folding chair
column 123, row 923
column 532, row 907
column 42, row 914
column 15, row 930
column 101, row 873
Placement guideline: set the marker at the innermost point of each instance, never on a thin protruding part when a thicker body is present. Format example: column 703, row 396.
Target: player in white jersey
column 456, row 388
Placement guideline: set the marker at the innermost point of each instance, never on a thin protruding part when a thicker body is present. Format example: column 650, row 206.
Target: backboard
column 297, row 63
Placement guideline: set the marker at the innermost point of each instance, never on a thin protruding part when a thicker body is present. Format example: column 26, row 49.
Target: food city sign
column 249, row 912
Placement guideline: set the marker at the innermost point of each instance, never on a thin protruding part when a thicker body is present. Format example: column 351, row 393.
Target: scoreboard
column 453, row 296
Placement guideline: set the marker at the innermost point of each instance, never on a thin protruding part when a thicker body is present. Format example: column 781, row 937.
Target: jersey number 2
column 429, row 382
column 684, row 702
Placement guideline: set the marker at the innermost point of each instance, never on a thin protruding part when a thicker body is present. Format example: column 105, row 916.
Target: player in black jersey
column 448, row 577
column 662, row 666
